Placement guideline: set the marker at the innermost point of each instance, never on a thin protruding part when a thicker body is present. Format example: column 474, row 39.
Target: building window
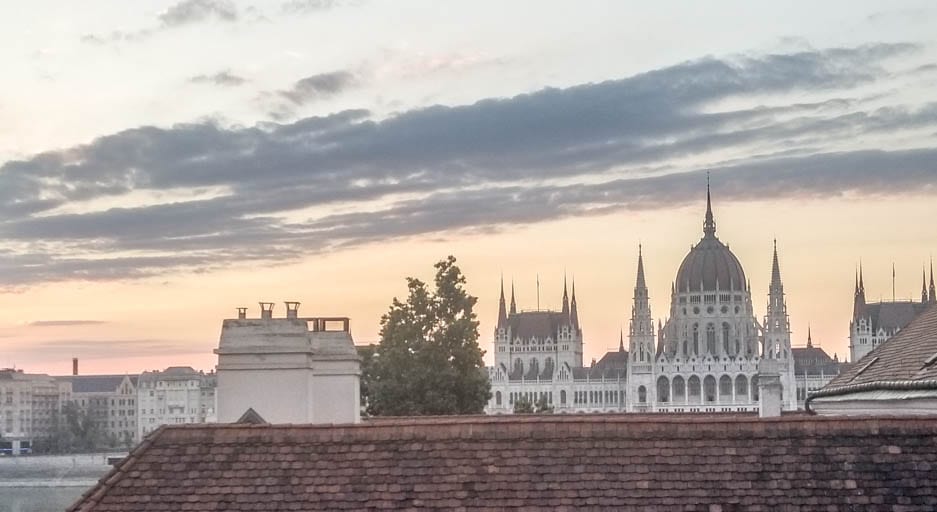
column 663, row 389
column 562, row 397
column 498, row 398
column 679, row 389
column 693, row 389
column 709, row 388
column 642, row 394
column 725, row 388
column 741, row 387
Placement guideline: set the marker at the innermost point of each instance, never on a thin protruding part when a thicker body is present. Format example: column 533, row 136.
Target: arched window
column 725, row 388
column 562, row 397
column 741, row 388
column 663, row 389
column 754, row 388
column 710, row 339
column 695, row 339
column 642, row 394
column 518, row 369
column 709, row 388
column 498, row 398
column 679, row 389
column 725, row 340
column 693, row 389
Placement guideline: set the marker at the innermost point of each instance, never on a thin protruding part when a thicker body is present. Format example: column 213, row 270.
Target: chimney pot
column 266, row 310
column 292, row 309
column 242, row 313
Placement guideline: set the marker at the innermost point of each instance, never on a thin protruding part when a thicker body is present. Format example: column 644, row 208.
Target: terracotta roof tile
column 902, row 358
column 622, row 462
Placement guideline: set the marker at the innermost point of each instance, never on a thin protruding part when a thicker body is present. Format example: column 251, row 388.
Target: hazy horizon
column 161, row 167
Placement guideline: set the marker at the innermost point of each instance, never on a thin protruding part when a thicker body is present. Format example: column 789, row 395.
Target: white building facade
column 288, row 370
column 174, row 396
column 709, row 350
column 873, row 323
column 538, row 358
column 706, row 356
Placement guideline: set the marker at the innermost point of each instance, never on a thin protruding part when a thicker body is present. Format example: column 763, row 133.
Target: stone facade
column 174, row 396
column 30, row 405
column 110, row 402
column 706, row 357
column 873, row 323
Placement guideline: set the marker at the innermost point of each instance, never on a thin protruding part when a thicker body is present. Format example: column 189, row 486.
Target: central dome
column 710, row 262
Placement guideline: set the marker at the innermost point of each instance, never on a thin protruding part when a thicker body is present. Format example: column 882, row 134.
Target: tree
column 428, row 361
column 523, row 406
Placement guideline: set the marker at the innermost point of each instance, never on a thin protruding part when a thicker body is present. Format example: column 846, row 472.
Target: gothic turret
column 565, row 299
column 641, row 330
column 709, row 225
column 573, row 310
column 924, row 295
column 513, row 304
column 502, row 309
column 933, row 291
column 777, row 325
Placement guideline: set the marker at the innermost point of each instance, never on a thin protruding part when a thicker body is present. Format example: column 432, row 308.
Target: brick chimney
column 292, row 309
column 74, row 366
column 242, row 313
column 266, row 310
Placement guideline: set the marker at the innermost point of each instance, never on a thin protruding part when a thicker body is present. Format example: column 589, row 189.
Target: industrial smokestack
column 74, row 366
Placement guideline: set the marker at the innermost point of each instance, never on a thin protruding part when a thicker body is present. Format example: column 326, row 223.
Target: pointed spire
column 809, row 337
column 640, row 283
column 502, row 311
column 924, row 295
column 573, row 310
column 709, row 225
column 565, row 298
column 775, row 268
column 861, row 283
column 621, row 340
column 933, row 291
column 513, row 304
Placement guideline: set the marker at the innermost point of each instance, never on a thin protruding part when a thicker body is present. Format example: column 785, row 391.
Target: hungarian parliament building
column 705, row 357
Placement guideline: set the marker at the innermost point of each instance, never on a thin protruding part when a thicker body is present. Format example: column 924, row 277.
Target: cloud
column 107, row 348
column 346, row 179
column 182, row 13
column 193, row 11
column 309, row 89
column 65, row 323
column 222, row 78
column 307, row 6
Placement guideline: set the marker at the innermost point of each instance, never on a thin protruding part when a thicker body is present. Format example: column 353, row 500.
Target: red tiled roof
column 906, row 356
column 556, row 462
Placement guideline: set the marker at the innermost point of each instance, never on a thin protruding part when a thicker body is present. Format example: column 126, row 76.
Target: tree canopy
column 428, row 361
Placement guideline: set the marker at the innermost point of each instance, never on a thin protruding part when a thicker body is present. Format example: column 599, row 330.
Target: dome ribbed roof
column 709, row 262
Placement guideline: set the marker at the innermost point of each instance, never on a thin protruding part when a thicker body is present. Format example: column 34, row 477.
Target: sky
column 160, row 167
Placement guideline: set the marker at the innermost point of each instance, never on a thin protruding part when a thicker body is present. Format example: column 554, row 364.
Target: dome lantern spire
column 709, row 225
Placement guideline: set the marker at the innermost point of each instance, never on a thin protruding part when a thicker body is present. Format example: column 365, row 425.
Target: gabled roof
column 97, row 383
column 537, row 324
column 891, row 316
column 908, row 356
column 814, row 361
column 550, row 462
